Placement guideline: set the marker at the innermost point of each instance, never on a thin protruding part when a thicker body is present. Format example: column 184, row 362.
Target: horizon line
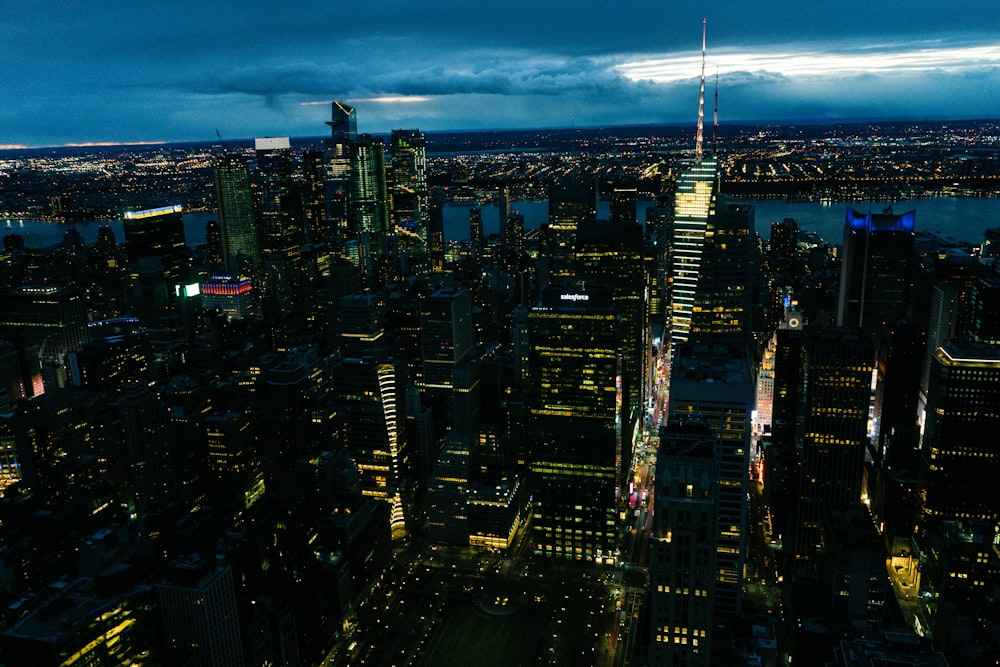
column 786, row 122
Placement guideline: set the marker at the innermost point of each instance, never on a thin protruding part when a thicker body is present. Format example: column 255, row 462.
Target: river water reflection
column 964, row 218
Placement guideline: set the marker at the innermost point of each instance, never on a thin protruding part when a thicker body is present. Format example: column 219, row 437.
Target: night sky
column 99, row 71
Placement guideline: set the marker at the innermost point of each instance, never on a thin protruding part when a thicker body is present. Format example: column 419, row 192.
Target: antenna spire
column 715, row 125
column 699, row 150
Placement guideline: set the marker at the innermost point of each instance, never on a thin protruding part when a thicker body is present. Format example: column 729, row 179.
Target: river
column 963, row 218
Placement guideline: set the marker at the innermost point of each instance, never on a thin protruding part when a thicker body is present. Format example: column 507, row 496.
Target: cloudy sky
column 75, row 71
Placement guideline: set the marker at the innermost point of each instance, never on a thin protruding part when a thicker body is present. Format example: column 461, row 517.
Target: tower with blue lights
column 875, row 274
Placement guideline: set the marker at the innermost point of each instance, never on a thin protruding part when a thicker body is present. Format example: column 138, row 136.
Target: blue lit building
column 875, row 274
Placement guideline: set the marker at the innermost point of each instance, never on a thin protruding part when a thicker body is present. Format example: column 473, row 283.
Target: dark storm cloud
column 102, row 70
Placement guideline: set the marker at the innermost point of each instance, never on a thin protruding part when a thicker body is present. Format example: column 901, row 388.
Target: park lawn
column 470, row 638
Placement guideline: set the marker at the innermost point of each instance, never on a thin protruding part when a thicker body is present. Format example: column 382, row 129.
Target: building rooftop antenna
column 225, row 149
column 715, row 124
column 699, row 149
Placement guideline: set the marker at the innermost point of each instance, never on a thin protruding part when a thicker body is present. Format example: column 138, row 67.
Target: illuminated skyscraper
column 682, row 550
column 343, row 130
column 314, row 197
column 712, row 260
column 213, row 242
column 784, row 238
column 838, row 364
column 503, row 208
column 623, row 202
column 476, row 234
column 158, row 232
column 660, row 230
column 569, row 205
column 368, row 200
column 711, row 254
column 237, row 218
column 435, row 238
column 960, row 443
column 448, row 490
column 724, row 302
column 446, row 335
column 234, row 461
column 575, row 449
column 513, row 238
column 715, row 383
column 360, row 326
column 611, row 252
column 694, row 203
column 278, row 227
column 875, row 274
column 54, row 319
column 409, row 178
column 233, row 295
column 368, row 395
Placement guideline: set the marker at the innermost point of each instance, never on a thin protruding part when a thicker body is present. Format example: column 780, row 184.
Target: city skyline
column 159, row 76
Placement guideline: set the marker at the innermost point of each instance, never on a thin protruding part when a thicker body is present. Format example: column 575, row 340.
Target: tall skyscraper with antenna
column 694, row 203
column 711, row 373
column 712, row 249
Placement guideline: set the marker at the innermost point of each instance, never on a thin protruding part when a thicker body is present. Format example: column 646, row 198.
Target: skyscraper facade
column 279, row 228
column 875, row 273
column 715, row 382
column 146, row 435
column 314, row 221
column 611, row 252
column 476, row 234
column 343, row 130
column 54, row 319
column 694, row 203
column 660, row 230
column 368, row 199
column 724, row 297
column 435, row 239
column 279, row 224
column 234, row 459
column 446, row 335
column 370, row 415
column 960, row 444
column 623, row 204
column 237, row 218
column 575, row 452
column 198, row 605
column 838, row 365
column 158, row 232
column 683, row 544
column 409, row 179
column 569, row 205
